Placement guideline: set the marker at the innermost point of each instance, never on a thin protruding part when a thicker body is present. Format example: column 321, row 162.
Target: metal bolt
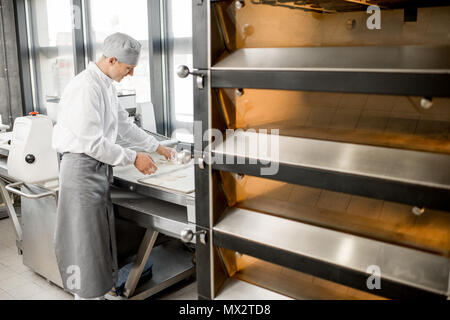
column 239, row 92
column 239, row 4
column 351, row 24
column 247, row 30
column 201, row 163
column 238, row 176
column 426, row 102
column 418, row 211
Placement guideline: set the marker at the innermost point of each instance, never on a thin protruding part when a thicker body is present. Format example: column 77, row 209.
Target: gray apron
column 85, row 243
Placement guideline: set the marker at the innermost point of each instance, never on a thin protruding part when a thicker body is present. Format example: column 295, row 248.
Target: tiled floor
column 18, row 282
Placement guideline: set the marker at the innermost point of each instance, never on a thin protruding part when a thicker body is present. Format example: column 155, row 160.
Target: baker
column 90, row 119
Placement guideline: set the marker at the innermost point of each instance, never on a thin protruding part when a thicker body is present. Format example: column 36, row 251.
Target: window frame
column 24, row 56
column 172, row 121
column 28, row 52
column 82, row 46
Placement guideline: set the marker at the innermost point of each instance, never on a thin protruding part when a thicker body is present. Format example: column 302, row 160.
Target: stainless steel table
column 155, row 209
column 159, row 211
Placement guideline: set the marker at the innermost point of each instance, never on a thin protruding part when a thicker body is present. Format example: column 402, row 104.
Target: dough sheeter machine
column 145, row 206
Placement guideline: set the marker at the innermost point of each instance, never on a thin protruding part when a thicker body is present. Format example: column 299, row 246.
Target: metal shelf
column 177, row 265
column 411, row 177
column 402, row 70
column 332, row 255
column 167, row 218
column 234, row 289
column 345, row 6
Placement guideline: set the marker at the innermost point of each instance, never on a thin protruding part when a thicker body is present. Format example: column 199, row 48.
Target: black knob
column 30, row 158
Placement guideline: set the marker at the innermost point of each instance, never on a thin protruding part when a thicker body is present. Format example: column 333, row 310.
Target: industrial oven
column 325, row 173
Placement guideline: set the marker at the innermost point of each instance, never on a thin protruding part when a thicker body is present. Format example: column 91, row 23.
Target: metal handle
column 201, row 163
column 11, row 188
column 183, row 72
column 12, row 214
column 418, row 211
column 187, row 235
column 426, row 102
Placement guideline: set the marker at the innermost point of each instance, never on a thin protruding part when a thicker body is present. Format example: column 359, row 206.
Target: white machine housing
column 31, row 158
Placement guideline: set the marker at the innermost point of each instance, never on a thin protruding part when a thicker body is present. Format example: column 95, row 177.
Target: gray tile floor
column 18, row 282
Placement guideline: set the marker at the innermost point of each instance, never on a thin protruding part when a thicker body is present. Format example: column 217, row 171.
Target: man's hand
column 145, row 164
column 168, row 153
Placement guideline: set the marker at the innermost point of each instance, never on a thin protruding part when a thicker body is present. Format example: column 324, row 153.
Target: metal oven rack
column 410, row 177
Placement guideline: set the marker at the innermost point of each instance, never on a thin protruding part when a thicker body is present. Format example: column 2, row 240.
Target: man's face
column 120, row 70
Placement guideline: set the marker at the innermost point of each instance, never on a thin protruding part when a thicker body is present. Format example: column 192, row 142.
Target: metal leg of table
column 139, row 263
column 12, row 213
column 161, row 286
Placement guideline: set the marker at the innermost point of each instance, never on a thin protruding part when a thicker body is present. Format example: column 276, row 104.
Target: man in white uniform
column 90, row 120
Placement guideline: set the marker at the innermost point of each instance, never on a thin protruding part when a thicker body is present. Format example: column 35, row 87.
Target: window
column 110, row 16
column 179, row 52
column 58, row 51
column 51, row 38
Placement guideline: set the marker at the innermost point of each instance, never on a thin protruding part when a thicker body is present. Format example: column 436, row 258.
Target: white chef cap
column 123, row 47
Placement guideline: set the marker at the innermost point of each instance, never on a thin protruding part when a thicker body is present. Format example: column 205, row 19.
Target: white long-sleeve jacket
column 90, row 119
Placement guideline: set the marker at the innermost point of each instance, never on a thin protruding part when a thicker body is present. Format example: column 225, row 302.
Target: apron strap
column 111, row 224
